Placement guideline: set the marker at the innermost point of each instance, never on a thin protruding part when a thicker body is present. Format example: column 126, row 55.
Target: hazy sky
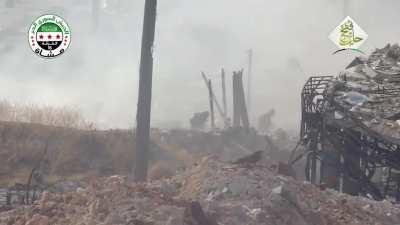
column 99, row 72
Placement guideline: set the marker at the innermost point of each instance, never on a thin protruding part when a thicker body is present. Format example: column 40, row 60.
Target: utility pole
column 249, row 80
column 236, row 102
column 144, row 99
column 224, row 95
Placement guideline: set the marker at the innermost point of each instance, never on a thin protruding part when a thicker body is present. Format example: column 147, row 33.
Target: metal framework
column 341, row 152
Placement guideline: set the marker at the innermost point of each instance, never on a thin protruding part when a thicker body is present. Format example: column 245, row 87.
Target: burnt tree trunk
column 224, row 92
column 225, row 107
column 236, row 102
column 242, row 101
column 249, row 81
column 210, row 92
column 145, row 85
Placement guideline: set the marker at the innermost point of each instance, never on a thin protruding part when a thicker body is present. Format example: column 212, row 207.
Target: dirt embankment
column 75, row 153
column 71, row 153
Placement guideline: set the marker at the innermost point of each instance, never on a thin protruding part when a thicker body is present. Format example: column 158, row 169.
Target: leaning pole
column 144, row 99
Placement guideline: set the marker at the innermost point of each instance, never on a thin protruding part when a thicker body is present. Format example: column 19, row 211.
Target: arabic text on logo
column 348, row 35
column 49, row 36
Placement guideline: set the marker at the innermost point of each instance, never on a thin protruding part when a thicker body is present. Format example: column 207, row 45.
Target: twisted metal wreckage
column 350, row 127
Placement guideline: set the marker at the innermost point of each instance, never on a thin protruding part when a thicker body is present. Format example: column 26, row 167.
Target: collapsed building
column 350, row 127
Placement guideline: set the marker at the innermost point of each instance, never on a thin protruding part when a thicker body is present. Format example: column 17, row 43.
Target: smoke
column 99, row 72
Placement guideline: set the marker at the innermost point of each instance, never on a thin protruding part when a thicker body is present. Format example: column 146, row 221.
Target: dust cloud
column 99, row 72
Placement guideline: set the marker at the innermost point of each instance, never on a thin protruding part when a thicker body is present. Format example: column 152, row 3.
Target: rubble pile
column 210, row 193
column 370, row 91
column 257, row 194
column 111, row 200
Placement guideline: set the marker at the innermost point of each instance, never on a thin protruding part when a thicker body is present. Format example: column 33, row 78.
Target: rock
column 286, row 170
column 277, row 190
column 250, row 159
column 194, row 215
column 114, row 218
column 355, row 98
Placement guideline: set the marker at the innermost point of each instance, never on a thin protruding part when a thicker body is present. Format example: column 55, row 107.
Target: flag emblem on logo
column 49, row 36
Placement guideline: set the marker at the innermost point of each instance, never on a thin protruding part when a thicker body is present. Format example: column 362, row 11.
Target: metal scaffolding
column 341, row 152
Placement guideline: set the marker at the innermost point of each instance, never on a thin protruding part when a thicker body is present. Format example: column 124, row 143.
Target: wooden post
column 215, row 101
column 249, row 81
column 210, row 92
column 224, row 93
column 144, row 98
column 242, row 101
column 236, row 104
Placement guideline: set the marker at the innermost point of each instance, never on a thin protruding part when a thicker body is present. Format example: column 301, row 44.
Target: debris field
column 211, row 192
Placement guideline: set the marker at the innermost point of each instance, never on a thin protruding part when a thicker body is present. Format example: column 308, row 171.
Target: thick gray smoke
column 99, row 73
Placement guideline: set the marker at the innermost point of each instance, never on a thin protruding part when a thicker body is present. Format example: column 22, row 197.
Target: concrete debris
column 386, row 60
column 355, row 98
column 277, row 190
column 370, row 90
column 286, row 170
column 210, row 193
column 250, row 159
column 194, row 215
column 338, row 115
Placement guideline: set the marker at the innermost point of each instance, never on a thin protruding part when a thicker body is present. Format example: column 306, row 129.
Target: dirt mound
column 210, row 193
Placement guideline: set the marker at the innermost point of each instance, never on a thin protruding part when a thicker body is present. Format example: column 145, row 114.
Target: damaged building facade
column 350, row 127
